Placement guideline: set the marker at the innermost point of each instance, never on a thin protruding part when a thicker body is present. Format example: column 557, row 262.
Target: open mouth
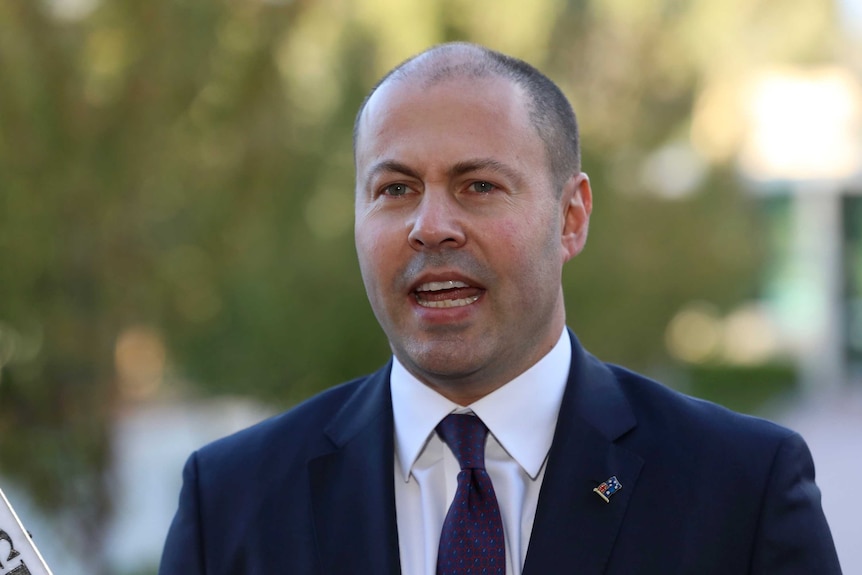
column 446, row 294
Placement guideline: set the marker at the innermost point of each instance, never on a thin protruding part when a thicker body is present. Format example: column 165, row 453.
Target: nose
column 436, row 223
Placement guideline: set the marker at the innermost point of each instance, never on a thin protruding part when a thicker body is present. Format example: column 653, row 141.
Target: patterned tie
column 472, row 537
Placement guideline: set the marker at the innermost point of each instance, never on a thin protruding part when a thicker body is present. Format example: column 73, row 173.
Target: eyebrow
column 475, row 165
column 459, row 169
column 391, row 166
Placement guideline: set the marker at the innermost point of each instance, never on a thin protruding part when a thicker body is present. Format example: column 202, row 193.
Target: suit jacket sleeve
column 792, row 535
column 183, row 553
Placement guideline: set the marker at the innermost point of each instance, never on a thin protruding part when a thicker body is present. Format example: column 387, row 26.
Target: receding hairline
column 556, row 128
column 445, row 61
column 438, row 63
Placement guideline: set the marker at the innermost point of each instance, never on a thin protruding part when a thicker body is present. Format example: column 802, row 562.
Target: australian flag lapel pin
column 608, row 488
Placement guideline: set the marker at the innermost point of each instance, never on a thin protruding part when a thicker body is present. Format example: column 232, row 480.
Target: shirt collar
column 522, row 420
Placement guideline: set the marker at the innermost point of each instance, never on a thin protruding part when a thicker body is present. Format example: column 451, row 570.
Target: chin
column 451, row 363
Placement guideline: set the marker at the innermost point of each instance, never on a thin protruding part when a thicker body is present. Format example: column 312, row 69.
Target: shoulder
column 299, row 433
column 674, row 419
column 737, row 477
column 649, row 416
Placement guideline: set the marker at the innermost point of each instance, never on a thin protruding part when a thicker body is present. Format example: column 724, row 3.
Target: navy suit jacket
column 704, row 490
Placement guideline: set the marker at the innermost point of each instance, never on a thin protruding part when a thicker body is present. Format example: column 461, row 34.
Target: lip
column 439, row 286
column 452, row 296
column 437, row 277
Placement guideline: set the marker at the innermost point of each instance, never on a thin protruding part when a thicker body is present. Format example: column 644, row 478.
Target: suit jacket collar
column 352, row 489
column 353, row 497
column 573, row 525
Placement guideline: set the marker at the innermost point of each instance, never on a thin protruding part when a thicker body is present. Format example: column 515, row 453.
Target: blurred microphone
column 18, row 555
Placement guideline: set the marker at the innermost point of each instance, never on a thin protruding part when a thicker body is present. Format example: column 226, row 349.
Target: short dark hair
column 550, row 111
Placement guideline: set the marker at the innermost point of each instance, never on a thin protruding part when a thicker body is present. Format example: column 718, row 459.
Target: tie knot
column 465, row 435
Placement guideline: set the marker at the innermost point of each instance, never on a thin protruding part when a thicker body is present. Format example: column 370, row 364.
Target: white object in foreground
column 18, row 555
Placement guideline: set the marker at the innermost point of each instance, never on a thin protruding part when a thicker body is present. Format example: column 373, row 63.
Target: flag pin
column 608, row 488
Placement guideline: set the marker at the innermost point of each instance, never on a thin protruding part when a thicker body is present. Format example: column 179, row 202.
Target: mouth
column 446, row 294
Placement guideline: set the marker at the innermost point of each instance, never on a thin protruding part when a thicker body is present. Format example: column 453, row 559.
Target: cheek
column 370, row 238
column 527, row 241
column 377, row 252
column 528, row 253
column 366, row 253
column 508, row 235
column 514, row 259
column 381, row 252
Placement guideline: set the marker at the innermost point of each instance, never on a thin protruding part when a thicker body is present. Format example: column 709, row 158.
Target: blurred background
column 176, row 250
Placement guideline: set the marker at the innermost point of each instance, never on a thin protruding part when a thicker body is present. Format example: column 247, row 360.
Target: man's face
column 460, row 235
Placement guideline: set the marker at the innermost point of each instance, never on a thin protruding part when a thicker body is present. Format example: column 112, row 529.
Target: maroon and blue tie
column 472, row 538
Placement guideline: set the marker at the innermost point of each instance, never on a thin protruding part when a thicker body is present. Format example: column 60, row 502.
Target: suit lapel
column 352, row 490
column 573, row 525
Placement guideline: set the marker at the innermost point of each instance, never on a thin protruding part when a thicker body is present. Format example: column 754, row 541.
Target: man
column 492, row 440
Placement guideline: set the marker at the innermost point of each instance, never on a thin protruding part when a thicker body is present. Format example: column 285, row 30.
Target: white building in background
column 151, row 443
column 796, row 137
column 803, row 153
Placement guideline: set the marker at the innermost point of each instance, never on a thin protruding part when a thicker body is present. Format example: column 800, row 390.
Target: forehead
column 457, row 115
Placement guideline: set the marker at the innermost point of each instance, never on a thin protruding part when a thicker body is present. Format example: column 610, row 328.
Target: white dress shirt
column 521, row 417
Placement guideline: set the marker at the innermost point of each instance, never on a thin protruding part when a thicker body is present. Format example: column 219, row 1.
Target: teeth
column 448, row 302
column 437, row 286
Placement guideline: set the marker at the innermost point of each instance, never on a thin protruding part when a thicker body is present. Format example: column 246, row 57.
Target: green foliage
column 743, row 389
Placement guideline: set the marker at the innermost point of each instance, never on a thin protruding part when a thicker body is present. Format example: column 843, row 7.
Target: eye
column 482, row 187
column 395, row 190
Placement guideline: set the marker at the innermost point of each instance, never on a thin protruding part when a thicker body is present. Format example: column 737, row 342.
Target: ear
column 577, row 204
